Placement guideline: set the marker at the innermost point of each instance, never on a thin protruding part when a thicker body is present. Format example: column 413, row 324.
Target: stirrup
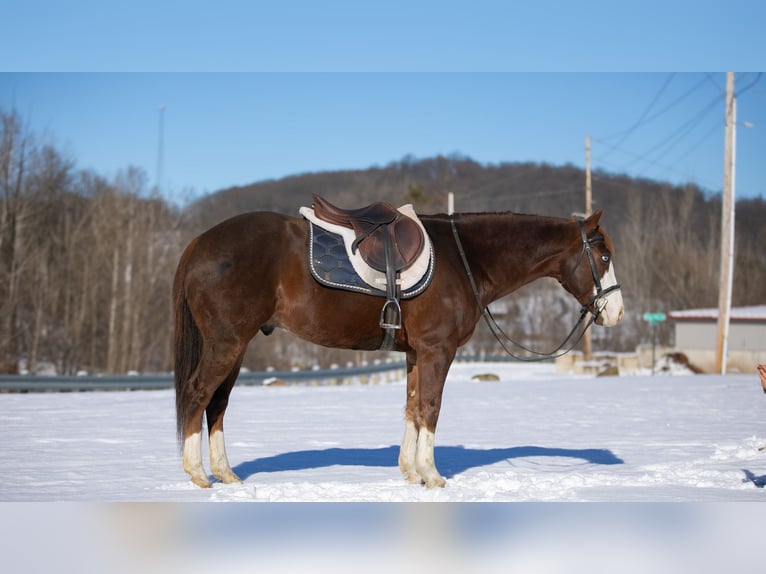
column 397, row 310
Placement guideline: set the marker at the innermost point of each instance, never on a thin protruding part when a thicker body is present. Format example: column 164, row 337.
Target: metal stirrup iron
column 391, row 313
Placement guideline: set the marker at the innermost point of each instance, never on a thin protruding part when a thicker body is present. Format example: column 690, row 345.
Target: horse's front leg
column 410, row 441
column 427, row 372
column 424, row 459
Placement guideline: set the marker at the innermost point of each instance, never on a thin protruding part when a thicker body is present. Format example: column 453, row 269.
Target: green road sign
column 654, row 319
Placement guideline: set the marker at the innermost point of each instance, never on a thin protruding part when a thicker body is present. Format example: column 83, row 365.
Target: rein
column 498, row 332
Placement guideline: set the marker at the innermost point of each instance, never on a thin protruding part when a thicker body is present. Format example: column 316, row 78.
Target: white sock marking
column 408, row 448
column 424, row 457
column 219, row 462
column 193, row 453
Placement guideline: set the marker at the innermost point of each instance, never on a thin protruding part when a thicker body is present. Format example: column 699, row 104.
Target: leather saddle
column 379, row 228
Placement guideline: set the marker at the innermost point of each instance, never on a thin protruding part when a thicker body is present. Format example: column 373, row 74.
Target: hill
column 425, row 183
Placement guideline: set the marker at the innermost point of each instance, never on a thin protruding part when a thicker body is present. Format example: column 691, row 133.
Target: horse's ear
column 592, row 221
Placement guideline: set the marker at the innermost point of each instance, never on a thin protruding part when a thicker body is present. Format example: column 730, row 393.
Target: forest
column 87, row 262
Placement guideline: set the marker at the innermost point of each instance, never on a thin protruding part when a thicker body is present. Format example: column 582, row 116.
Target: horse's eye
column 605, row 258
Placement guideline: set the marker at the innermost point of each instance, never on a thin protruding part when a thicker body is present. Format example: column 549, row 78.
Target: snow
column 534, row 435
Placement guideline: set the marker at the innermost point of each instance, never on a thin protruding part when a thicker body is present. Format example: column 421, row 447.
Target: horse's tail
column 187, row 345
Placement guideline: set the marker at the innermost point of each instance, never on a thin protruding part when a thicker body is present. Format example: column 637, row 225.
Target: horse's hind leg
column 212, row 372
column 219, row 462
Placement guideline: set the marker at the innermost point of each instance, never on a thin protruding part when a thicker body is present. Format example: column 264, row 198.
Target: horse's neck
column 507, row 250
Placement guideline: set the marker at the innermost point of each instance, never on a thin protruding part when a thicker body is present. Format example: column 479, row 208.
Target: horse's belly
column 333, row 318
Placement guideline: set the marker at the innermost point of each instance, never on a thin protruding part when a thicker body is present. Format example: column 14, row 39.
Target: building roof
column 753, row 313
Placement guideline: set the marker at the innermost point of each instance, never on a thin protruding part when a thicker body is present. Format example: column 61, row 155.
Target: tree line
column 87, row 262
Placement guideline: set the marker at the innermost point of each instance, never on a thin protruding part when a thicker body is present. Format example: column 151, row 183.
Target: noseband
column 601, row 294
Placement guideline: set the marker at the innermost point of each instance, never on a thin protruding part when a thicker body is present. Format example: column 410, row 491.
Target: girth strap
column 391, row 313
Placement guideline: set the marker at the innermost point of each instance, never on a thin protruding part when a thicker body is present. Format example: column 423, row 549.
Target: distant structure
column 696, row 335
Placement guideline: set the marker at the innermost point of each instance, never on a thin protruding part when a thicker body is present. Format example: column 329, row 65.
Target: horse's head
column 588, row 273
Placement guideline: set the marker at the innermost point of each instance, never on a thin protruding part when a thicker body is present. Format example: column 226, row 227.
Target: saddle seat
column 375, row 226
column 379, row 212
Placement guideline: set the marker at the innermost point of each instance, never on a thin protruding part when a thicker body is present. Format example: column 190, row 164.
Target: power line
column 710, row 78
column 644, row 119
column 750, row 85
column 674, row 138
column 669, row 142
column 657, row 114
column 616, row 169
column 643, row 115
column 698, row 143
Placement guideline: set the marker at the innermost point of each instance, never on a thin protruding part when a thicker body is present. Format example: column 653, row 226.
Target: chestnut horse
column 250, row 274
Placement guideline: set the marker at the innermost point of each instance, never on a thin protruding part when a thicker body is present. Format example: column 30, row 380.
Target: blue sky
column 348, row 84
column 232, row 129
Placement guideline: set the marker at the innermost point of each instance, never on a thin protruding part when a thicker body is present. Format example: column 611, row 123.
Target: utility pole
column 587, row 345
column 727, row 229
column 160, row 146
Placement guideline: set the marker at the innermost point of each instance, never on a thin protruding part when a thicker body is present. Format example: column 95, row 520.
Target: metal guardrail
column 34, row 383
column 147, row 382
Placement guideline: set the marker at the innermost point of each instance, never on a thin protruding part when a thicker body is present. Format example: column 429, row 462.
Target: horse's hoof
column 202, row 482
column 412, row 477
column 228, row 478
column 436, row 481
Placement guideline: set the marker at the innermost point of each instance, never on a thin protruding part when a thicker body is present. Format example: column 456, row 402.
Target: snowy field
column 641, row 443
column 536, row 435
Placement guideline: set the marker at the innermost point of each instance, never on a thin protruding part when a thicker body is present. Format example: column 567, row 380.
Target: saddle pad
column 332, row 263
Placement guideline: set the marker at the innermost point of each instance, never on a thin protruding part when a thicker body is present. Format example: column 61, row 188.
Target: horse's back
column 247, row 236
column 254, row 224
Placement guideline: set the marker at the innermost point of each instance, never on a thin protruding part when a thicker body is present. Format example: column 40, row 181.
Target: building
column 696, row 335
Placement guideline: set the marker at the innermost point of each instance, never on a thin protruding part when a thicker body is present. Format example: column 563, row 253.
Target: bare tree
column 14, row 146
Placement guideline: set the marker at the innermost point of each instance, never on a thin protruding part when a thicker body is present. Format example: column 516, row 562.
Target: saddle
column 377, row 226
column 388, row 241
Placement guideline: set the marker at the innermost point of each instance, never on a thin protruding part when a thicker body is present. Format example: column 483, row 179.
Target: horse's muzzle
column 611, row 308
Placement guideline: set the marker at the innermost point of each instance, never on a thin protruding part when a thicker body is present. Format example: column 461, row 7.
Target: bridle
column 601, row 294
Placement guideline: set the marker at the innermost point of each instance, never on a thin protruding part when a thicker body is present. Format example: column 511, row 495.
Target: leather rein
column 502, row 337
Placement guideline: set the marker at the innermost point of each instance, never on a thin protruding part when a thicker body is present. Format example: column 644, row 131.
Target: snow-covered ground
column 535, row 435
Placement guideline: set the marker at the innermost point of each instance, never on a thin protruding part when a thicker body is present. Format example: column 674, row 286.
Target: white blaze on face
column 612, row 308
